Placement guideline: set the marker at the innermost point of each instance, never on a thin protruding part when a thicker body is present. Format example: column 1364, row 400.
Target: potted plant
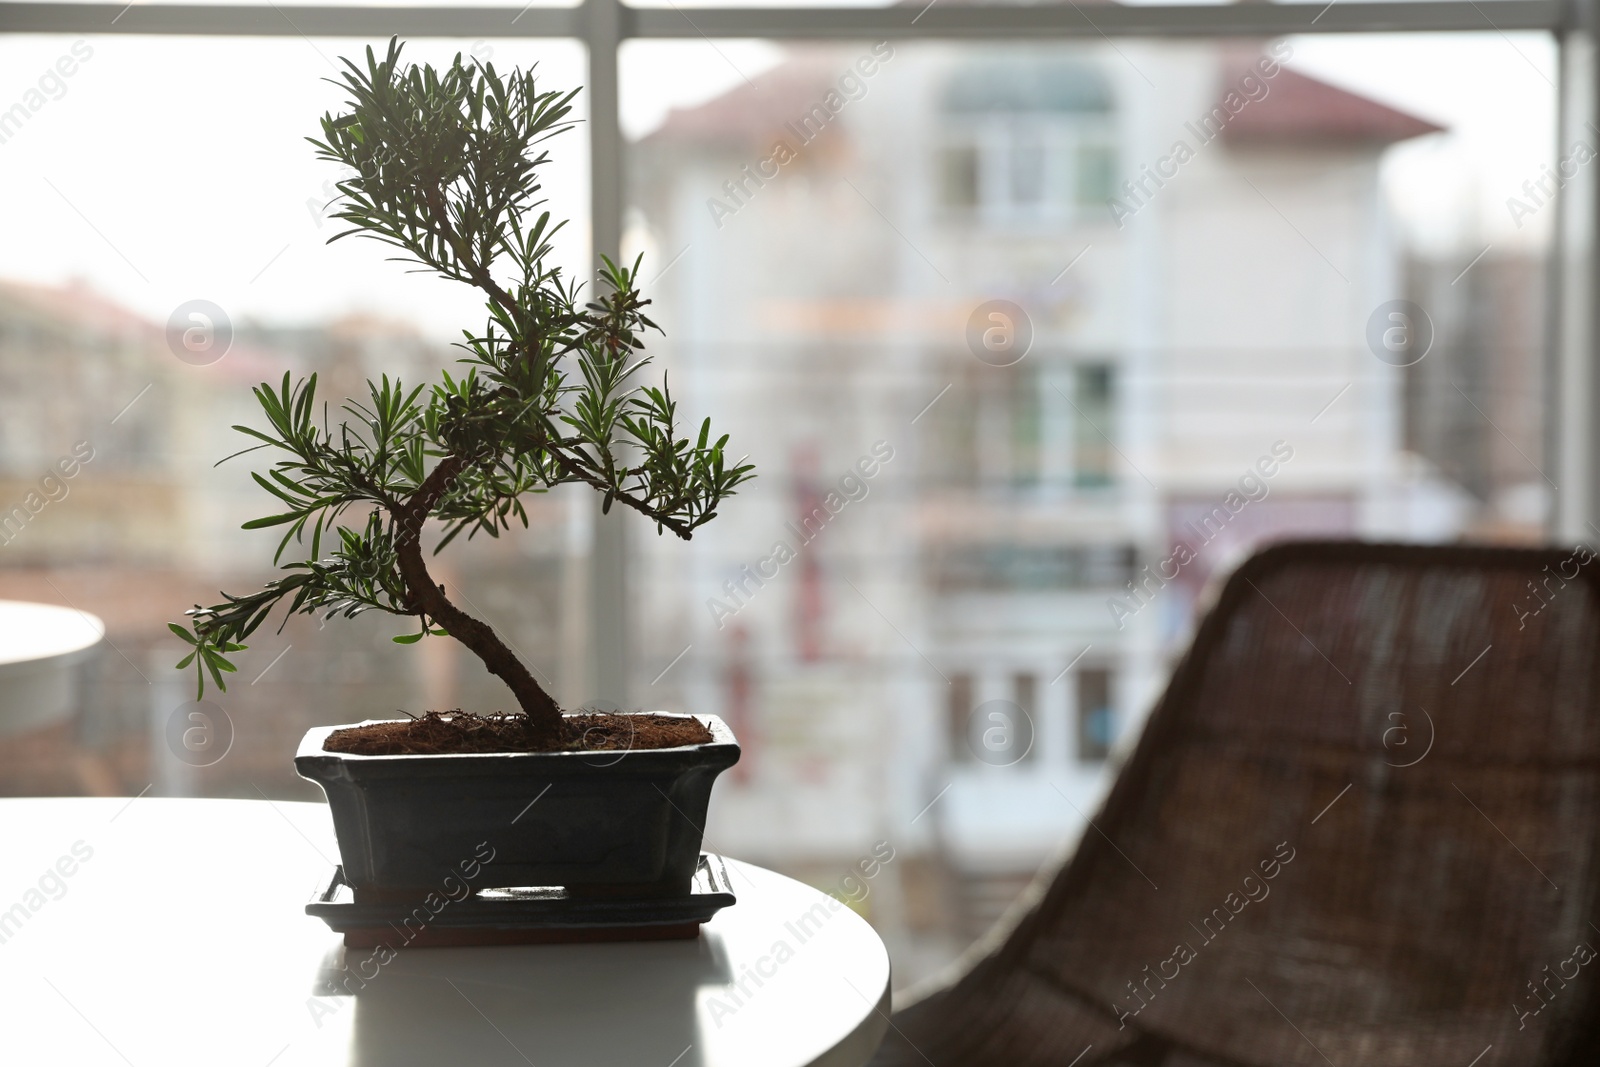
column 445, row 167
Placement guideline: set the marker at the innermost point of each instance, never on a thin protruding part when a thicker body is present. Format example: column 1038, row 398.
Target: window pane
column 958, row 176
column 1096, row 174
column 1025, row 695
column 1094, row 426
column 1034, row 403
column 169, row 171
column 958, row 715
column 1026, row 171
column 1096, row 717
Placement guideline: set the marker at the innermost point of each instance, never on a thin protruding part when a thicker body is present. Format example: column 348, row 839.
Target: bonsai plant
column 445, row 166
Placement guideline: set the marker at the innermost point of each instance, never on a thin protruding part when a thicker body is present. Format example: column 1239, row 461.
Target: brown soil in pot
column 455, row 732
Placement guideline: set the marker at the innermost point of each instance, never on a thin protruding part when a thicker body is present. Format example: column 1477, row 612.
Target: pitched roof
column 1302, row 110
column 77, row 311
column 753, row 110
column 1298, row 109
column 75, row 304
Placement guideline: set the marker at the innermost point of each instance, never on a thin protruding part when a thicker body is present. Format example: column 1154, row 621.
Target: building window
column 958, row 177
column 1094, row 427
column 1097, row 720
column 1025, row 411
column 1097, row 175
column 1026, row 168
column 1025, row 694
column 1004, row 566
column 958, row 716
column 1047, row 425
column 998, row 732
column 1027, row 140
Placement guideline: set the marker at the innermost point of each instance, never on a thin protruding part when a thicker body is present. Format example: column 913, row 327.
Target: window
column 1096, row 177
column 959, row 704
column 1094, row 429
column 1025, row 695
column 958, row 175
column 1042, row 427
column 1008, row 567
column 999, row 732
column 1026, row 416
column 1097, row 719
column 1027, row 139
column 1028, row 169
column 1188, row 316
column 1025, row 169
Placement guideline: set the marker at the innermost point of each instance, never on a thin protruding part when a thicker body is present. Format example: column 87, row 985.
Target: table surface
column 160, row 933
column 30, row 632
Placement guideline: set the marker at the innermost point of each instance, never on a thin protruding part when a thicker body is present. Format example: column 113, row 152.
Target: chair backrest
column 1359, row 829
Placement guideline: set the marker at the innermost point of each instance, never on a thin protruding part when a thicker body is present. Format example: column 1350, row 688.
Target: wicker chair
column 1359, row 831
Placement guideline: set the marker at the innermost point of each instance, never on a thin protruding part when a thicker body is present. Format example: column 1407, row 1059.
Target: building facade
column 1027, row 343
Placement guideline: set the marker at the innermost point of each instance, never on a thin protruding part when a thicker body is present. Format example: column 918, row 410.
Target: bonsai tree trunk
column 427, row 598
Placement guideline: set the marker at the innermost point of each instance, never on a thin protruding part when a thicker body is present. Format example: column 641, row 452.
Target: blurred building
column 149, row 524
column 946, row 654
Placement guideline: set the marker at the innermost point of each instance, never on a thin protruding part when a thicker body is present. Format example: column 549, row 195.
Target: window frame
column 992, row 139
column 603, row 25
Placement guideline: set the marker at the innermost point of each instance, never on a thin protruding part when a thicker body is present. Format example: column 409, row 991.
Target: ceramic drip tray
column 523, row 916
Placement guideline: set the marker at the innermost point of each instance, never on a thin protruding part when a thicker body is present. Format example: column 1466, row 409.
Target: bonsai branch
column 476, row 273
column 427, row 598
column 573, row 470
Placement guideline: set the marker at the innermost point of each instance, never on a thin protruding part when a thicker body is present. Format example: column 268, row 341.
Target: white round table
column 162, row 933
column 39, row 646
